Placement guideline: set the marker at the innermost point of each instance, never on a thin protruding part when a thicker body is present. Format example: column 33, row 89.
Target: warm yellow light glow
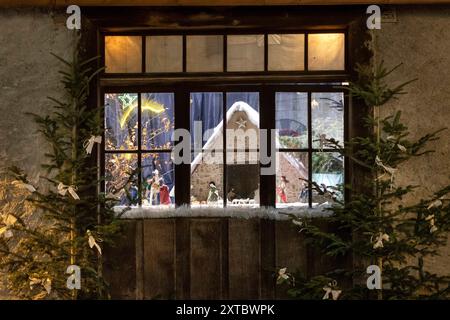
column 326, row 51
column 126, row 115
column 149, row 105
column 123, row 54
column 153, row 106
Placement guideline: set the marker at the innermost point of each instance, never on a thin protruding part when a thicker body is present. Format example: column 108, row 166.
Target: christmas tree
column 374, row 226
column 65, row 221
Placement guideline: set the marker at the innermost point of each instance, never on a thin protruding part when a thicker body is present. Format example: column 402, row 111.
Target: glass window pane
column 207, row 179
column 245, row 52
column 327, row 110
column 157, row 120
column 206, row 120
column 291, row 119
column 328, row 173
column 121, row 178
column 204, row 53
column 121, row 121
column 164, row 54
column 286, row 52
column 326, row 51
column 123, row 54
column 291, row 187
column 158, row 176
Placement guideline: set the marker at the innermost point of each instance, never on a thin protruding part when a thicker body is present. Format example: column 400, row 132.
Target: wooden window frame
column 343, row 20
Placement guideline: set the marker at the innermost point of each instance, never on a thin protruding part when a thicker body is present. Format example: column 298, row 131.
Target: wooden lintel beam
column 62, row 3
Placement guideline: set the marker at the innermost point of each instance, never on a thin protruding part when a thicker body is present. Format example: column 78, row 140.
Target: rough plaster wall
column 420, row 39
column 28, row 74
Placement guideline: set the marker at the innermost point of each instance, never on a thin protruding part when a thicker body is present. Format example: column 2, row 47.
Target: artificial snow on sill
column 241, row 211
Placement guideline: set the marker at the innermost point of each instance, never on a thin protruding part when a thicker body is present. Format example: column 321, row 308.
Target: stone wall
column 421, row 41
column 28, row 74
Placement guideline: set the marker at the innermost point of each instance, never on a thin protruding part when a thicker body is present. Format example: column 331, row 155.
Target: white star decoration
column 241, row 123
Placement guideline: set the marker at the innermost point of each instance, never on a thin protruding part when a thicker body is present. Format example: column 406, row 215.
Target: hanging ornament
column 63, row 189
column 282, row 275
column 92, row 242
column 127, row 100
column 21, row 184
column 89, row 144
column 401, row 148
column 431, row 221
column 379, row 240
column 391, row 171
column 436, row 203
column 331, row 292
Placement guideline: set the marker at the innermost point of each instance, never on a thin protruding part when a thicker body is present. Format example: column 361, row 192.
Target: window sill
column 147, row 212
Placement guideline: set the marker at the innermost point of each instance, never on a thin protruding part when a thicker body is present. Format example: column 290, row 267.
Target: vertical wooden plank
column 244, row 259
column 205, row 259
column 118, row 265
column 225, row 285
column 319, row 263
column 159, row 258
column 139, row 240
column 291, row 252
column 182, row 259
column 268, row 261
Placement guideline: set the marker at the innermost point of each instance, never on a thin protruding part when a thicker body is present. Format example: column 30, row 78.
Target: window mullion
column 139, row 148
column 182, row 171
column 310, row 169
column 267, row 122
column 224, row 141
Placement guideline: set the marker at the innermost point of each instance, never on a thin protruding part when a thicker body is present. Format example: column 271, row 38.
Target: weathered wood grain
column 291, row 252
column 244, row 259
column 159, row 258
column 205, row 259
column 119, row 264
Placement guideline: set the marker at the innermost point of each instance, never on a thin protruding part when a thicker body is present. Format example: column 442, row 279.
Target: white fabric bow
column 436, row 203
column 63, row 189
column 430, row 219
column 379, row 240
column 330, row 291
column 8, row 221
column 21, row 184
column 282, row 275
column 46, row 283
column 89, row 144
column 391, row 171
column 92, row 242
column 402, row 148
